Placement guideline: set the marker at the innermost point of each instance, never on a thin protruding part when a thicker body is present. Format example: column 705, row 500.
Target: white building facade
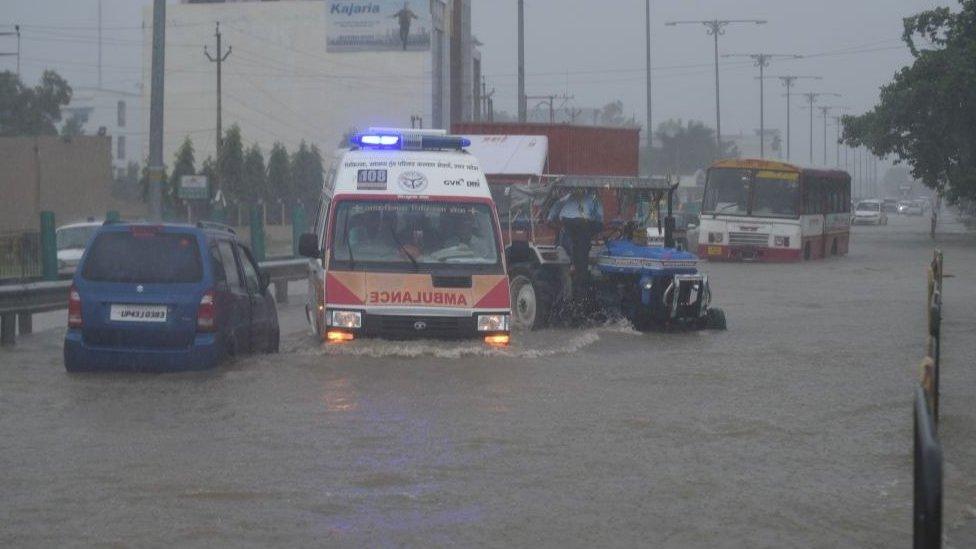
column 310, row 70
column 115, row 113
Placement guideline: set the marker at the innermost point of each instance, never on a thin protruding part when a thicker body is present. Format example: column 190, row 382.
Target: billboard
column 378, row 25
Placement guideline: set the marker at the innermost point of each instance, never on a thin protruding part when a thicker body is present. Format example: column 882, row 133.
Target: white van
column 407, row 243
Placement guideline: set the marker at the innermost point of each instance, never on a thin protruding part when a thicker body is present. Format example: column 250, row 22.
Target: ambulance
column 406, row 243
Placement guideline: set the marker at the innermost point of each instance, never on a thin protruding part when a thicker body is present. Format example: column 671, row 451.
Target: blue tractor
column 636, row 270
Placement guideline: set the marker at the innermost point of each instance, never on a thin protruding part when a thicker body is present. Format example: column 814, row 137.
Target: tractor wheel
column 533, row 294
column 715, row 319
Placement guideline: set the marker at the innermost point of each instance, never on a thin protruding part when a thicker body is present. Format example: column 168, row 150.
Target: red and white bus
column 761, row 210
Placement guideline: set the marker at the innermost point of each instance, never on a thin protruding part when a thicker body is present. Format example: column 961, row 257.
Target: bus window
column 727, row 192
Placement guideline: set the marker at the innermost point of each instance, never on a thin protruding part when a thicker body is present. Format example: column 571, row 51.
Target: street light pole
column 762, row 61
column 157, row 80
column 788, row 82
column 650, row 128
column 522, row 101
column 811, row 99
column 716, row 27
column 826, row 109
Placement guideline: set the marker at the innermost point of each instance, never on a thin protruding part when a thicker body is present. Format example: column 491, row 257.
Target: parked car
column 870, row 212
column 166, row 297
column 71, row 241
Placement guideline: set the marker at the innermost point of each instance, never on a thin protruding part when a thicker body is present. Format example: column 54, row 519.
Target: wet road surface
column 793, row 428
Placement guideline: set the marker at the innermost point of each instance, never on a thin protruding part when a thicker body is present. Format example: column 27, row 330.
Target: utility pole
column 837, row 125
column 716, row 27
column 16, row 33
column 650, row 127
column 825, row 109
column 522, row 100
column 811, row 99
column 99, row 44
column 788, row 82
column 219, row 60
column 762, row 61
column 156, row 167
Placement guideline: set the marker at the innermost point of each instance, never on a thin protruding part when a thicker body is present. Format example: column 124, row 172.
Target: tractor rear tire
column 715, row 319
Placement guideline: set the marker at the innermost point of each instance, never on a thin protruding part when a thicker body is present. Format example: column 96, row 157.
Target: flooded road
column 793, row 428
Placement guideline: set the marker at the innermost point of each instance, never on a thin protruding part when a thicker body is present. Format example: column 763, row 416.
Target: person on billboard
column 404, row 16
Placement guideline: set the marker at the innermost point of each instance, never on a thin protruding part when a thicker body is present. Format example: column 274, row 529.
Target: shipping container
column 573, row 150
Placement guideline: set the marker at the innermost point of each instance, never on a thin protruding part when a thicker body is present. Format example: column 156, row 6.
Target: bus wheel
column 806, row 251
column 532, row 298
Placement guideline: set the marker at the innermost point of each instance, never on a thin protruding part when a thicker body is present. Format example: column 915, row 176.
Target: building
column 312, row 70
column 113, row 113
column 71, row 177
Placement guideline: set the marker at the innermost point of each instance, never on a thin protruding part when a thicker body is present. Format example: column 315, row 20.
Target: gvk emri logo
column 413, row 182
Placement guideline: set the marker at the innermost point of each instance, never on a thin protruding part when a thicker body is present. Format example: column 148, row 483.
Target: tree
column 254, row 177
column 926, row 116
column 685, row 148
column 230, row 165
column 185, row 164
column 32, row 111
column 307, row 174
column 612, row 114
column 73, row 126
column 280, row 186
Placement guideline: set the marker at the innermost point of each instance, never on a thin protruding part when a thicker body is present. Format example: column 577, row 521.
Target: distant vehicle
column 760, row 210
column 406, row 243
column 71, row 241
column 166, row 297
column 870, row 212
column 890, row 205
column 910, row 207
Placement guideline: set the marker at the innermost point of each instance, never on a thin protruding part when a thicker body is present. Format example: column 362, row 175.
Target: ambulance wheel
column 532, row 298
column 715, row 319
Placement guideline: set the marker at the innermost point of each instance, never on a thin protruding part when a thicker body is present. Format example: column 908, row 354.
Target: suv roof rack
column 213, row 225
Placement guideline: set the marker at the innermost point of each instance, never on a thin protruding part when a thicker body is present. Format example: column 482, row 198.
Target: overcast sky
column 593, row 50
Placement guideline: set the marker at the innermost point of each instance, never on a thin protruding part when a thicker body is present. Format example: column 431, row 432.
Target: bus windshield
column 762, row 193
column 408, row 236
column 775, row 194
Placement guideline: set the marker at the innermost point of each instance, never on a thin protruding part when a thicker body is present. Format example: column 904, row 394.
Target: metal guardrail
column 927, row 455
column 18, row 302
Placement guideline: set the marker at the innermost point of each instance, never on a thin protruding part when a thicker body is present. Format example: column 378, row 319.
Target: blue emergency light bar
column 407, row 141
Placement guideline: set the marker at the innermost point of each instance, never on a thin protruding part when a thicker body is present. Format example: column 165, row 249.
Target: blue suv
column 166, row 297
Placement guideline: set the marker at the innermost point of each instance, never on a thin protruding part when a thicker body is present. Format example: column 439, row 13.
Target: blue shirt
column 569, row 207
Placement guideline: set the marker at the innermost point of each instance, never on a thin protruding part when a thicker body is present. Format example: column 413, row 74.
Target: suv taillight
column 207, row 313
column 74, row 308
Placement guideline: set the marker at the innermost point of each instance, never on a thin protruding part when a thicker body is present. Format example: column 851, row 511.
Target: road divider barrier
column 927, row 449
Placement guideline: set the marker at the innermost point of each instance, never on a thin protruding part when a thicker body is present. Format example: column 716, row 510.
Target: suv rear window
column 144, row 256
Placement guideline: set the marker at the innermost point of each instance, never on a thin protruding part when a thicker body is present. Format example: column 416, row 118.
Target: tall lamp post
column 715, row 28
column 788, row 82
column 811, row 98
column 762, row 61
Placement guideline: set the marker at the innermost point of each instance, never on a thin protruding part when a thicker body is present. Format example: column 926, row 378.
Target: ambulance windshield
column 396, row 235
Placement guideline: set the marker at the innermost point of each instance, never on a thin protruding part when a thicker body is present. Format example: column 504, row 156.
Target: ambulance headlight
column 492, row 323
column 345, row 319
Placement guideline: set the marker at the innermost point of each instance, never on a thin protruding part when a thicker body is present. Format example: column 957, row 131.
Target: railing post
column 25, row 322
column 281, row 291
column 49, row 247
column 298, row 226
column 257, row 232
column 8, row 329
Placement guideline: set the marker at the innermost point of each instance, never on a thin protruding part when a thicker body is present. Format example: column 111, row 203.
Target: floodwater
column 792, row 428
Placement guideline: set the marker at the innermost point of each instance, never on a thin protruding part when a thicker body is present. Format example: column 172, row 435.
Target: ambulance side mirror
column 308, row 246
